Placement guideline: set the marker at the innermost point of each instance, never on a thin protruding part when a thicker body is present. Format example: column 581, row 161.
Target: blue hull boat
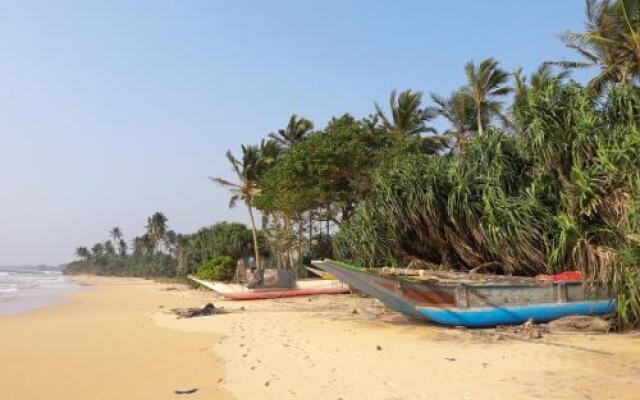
column 478, row 300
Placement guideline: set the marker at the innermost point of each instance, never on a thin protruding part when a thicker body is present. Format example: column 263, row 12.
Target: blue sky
column 110, row 111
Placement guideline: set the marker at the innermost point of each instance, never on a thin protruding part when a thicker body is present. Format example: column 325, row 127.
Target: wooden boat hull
column 303, row 288
column 322, row 274
column 277, row 294
column 480, row 317
column 475, row 306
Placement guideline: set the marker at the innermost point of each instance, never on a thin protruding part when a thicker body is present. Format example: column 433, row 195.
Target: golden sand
column 114, row 342
column 101, row 344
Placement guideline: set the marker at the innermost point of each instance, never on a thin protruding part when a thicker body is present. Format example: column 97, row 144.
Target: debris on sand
column 528, row 330
column 185, row 391
column 209, row 309
column 582, row 323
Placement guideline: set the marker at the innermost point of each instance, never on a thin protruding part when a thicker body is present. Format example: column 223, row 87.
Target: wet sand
column 101, row 344
column 116, row 342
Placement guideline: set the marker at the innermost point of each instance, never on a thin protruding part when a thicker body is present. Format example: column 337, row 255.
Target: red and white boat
column 307, row 287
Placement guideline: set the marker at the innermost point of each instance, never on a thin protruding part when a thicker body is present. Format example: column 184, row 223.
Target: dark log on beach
column 185, row 391
column 209, row 309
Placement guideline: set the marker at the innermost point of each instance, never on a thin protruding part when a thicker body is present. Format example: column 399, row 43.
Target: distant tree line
column 160, row 251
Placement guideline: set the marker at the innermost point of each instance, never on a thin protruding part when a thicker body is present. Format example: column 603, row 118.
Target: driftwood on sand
column 190, row 312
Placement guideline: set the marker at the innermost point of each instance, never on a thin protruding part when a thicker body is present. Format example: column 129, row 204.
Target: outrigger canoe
column 310, row 287
column 477, row 300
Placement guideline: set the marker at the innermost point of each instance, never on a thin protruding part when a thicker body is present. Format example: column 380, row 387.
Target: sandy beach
column 118, row 340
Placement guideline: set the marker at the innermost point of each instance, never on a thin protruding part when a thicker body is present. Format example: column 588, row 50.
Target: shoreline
column 29, row 290
column 119, row 340
column 38, row 299
column 101, row 344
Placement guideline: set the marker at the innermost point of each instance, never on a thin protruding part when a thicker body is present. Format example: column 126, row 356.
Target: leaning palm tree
column 247, row 170
column 459, row 110
column 295, row 132
column 486, row 82
column 610, row 42
column 156, row 228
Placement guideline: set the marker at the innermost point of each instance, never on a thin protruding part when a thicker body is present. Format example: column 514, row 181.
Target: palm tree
column 407, row 118
column 109, row 249
column 295, row 132
column 171, row 241
column 143, row 245
column 116, row 235
column 485, row 83
column 97, row 250
column 540, row 79
column 611, row 42
column 83, row 253
column 269, row 151
column 122, row 248
column 460, row 111
column 156, row 228
column 247, row 171
column 138, row 246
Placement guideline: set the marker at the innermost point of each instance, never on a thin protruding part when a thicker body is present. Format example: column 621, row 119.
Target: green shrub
column 219, row 268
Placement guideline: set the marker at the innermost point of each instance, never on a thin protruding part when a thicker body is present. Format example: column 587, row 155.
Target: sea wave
column 9, row 287
column 25, row 289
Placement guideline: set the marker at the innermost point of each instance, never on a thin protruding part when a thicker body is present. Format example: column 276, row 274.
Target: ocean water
column 28, row 288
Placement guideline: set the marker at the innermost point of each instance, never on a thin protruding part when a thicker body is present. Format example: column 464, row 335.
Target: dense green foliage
column 330, row 167
column 222, row 239
column 219, row 268
column 561, row 194
column 458, row 212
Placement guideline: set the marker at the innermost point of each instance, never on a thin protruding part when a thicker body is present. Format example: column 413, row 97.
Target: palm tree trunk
column 291, row 240
column 255, row 236
column 460, row 142
column 300, row 238
column 479, row 119
column 328, row 219
column 310, row 230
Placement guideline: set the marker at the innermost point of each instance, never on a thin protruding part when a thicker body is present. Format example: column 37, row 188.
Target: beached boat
column 310, row 287
column 475, row 300
column 320, row 273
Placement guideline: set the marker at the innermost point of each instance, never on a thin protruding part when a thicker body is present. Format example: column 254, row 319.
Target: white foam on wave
column 9, row 287
column 21, row 291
